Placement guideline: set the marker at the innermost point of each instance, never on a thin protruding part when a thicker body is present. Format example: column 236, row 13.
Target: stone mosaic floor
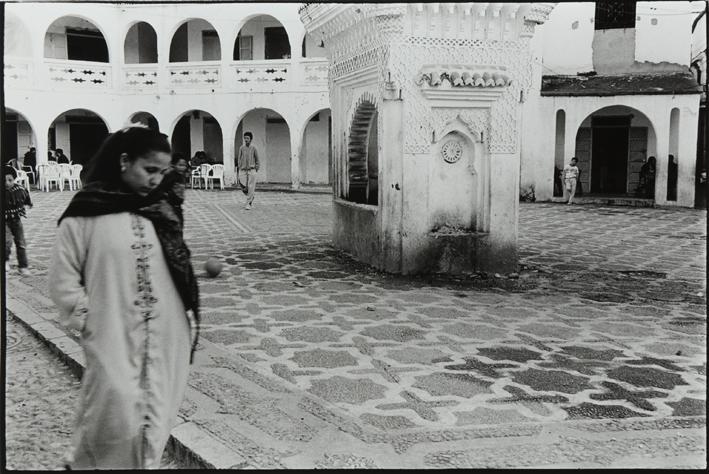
column 594, row 355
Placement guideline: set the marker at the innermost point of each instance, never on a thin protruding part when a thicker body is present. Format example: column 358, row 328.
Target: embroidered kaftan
column 110, row 280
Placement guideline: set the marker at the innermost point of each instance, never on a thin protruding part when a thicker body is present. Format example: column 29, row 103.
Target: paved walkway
column 593, row 356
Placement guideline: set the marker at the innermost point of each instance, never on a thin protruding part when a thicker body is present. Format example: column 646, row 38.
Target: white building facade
column 614, row 88
column 204, row 73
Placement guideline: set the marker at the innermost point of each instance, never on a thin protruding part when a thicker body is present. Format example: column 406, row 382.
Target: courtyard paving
column 594, row 355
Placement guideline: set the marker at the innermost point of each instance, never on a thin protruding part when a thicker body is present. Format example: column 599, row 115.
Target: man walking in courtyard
column 247, row 165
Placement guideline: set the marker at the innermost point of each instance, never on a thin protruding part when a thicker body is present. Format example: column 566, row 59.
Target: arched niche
column 198, row 130
column 145, row 118
column 18, row 40
column 262, row 37
column 271, row 137
column 612, row 144
column 141, row 44
column 195, row 40
column 79, row 133
column 455, row 187
column 363, row 156
column 75, row 38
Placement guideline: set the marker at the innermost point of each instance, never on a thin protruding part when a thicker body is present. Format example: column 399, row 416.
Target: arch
column 140, row 43
column 362, row 153
column 272, row 109
column 258, row 40
column 559, row 152
column 18, row 39
column 272, row 137
column 612, row 143
column 79, row 136
column 17, row 137
column 673, row 158
column 56, row 45
column 315, row 157
column 311, row 47
column 198, row 130
column 145, row 118
column 181, row 52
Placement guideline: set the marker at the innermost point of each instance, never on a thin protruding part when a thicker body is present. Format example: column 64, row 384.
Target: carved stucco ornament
column 452, row 151
column 462, row 86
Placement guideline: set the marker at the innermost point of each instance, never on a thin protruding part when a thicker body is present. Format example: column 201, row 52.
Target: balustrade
column 78, row 74
column 138, row 77
column 205, row 74
column 272, row 73
column 280, row 75
column 17, row 71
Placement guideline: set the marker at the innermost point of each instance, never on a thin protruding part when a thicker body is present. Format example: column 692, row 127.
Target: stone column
column 296, row 143
column 687, row 157
column 661, row 122
column 229, row 154
column 391, row 181
column 196, row 134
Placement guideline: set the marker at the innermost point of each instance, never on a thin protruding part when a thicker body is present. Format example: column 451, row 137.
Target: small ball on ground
column 213, row 267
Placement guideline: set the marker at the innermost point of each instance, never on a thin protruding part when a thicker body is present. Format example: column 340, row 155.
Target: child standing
column 571, row 176
column 16, row 198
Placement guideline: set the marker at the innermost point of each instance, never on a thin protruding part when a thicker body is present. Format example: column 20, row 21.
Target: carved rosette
column 452, row 151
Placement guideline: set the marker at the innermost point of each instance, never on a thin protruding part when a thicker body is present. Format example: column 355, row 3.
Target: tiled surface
column 312, row 360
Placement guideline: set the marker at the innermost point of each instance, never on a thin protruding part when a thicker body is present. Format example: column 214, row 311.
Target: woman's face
column 145, row 173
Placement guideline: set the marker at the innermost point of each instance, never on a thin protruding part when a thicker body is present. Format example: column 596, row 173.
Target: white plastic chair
column 22, row 179
column 51, row 175
column 217, row 172
column 40, row 174
column 65, row 173
column 28, row 169
column 195, row 176
column 75, row 179
column 204, row 170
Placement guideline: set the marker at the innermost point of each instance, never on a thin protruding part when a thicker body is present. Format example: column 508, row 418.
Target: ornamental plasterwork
column 458, row 76
column 497, row 121
column 401, row 38
column 452, row 151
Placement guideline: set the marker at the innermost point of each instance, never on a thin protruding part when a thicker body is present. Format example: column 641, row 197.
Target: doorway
column 85, row 139
column 609, row 149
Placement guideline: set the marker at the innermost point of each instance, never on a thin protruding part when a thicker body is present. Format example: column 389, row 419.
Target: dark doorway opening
column 86, row 45
column 277, row 45
column 181, row 137
column 609, row 149
column 10, row 138
column 85, row 139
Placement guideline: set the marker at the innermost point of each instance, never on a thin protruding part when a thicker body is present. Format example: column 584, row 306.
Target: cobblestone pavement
column 40, row 400
column 594, row 355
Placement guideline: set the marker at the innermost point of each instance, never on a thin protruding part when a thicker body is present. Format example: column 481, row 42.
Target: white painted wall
column 664, row 31
column 662, row 34
column 315, row 152
column 277, row 153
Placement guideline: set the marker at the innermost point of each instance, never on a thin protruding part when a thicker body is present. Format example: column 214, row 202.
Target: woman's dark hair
column 135, row 141
column 249, row 134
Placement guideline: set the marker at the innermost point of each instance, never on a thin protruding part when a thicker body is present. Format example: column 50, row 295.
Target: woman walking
column 121, row 275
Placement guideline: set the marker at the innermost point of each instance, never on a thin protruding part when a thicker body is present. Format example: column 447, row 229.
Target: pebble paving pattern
column 605, row 321
column 40, row 400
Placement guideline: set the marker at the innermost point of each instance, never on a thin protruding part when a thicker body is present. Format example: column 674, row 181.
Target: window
column 210, row 46
column 277, row 44
column 614, row 14
column 244, row 50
